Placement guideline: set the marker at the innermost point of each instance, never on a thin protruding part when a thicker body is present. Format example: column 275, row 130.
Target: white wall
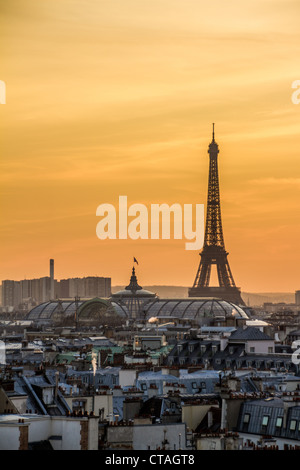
column 9, row 437
column 261, row 347
column 127, row 377
column 42, row 427
column 39, row 428
column 69, row 429
column 153, row 435
column 93, row 434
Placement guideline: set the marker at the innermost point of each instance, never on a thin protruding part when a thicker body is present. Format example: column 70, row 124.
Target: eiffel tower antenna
column 213, row 252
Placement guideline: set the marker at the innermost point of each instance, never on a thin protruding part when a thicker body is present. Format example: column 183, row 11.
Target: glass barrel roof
column 36, row 311
column 71, row 308
column 193, row 308
column 168, row 307
column 48, row 310
column 180, row 308
column 120, row 309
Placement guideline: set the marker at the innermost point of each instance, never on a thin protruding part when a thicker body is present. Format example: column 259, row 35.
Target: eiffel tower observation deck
column 213, row 252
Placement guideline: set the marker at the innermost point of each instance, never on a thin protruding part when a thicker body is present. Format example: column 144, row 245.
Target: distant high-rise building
column 64, row 288
column 297, row 298
column 47, row 288
column 11, row 293
column 52, row 296
column 25, row 289
column 97, row 286
column 40, row 289
column 86, row 287
column 7, row 293
column 77, row 287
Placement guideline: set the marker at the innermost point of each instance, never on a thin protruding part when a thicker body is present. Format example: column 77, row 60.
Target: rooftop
column 193, row 308
column 250, row 333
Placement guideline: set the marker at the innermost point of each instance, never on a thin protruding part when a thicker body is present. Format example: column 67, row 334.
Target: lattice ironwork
column 214, row 252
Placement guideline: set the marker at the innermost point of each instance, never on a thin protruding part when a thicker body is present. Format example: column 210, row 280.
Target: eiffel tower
column 213, row 252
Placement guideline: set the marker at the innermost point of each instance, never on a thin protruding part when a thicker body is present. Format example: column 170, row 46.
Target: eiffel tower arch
column 213, row 252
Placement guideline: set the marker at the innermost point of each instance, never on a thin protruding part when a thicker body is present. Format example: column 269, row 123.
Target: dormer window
column 293, row 425
column 279, row 422
column 265, row 420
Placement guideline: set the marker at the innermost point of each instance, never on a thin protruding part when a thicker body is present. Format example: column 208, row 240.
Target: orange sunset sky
column 117, row 97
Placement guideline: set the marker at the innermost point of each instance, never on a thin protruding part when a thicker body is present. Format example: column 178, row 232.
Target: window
column 279, row 421
column 293, row 425
column 270, row 349
column 265, row 420
column 194, row 385
column 246, row 418
column 252, row 349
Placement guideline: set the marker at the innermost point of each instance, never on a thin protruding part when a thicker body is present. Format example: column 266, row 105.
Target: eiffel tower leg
column 224, row 273
column 203, row 274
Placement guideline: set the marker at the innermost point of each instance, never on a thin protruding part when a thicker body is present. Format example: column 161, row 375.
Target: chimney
column 51, row 279
column 210, row 418
column 56, row 384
